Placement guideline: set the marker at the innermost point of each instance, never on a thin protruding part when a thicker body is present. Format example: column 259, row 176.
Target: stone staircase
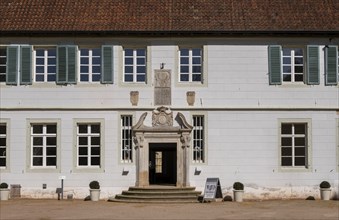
column 158, row 194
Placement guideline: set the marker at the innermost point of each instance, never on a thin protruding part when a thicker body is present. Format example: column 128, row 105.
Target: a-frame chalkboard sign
column 212, row 189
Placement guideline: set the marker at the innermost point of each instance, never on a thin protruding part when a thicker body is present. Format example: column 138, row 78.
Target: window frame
column 204, row 140
column 190, row 64
column 90, row 64
column 29, row 155
column 308, row 150
column 46, row 65
column 6, row 122
column 122, row 147
column 134, row 65
column 3, row 74
column 120, row 137
column 88, row 169
column 292, row 64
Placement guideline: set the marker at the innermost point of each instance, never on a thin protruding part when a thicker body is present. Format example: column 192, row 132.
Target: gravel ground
column 78, row 209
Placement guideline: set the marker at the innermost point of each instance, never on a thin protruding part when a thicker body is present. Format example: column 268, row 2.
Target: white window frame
column 6, row 122
column 3, row 65
column 293, row 64
column 29, row 155
column 135, row 65
column 308, row 145
column 88, row 169
column 203, row 130
column 123, row 148
column 44, row 135
column 191, row 65
column 337, row 134
column 90, row 64
column 46, row 65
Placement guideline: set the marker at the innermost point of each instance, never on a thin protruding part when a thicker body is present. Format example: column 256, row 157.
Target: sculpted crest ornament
column 162, row 116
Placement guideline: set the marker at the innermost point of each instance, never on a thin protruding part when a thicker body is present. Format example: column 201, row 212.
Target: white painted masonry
column 242, row 111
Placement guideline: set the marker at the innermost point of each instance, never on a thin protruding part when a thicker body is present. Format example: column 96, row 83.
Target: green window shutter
column 331, row 59
column 72, row 64
column 313, row 76
column 26, row 65
column 61, row 77
column 274, row 64
column 12, row 65
column 107, row 64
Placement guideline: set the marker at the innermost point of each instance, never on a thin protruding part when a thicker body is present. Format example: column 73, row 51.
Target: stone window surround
column 30, row 169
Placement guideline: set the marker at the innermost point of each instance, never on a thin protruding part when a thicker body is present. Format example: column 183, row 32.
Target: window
column 158, row 162
column 90, row 61
column 3, row 145
column 43, row 145
column 198, row 139
column 45, row 65
column 190, row 64
column 126, row 139
column 88, row 145
column 134, row 65
column 288, row 65
column 293, row 64
column 294, row 145
column 3, row 59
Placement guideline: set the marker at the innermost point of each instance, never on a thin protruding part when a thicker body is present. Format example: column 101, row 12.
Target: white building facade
column 262, row 110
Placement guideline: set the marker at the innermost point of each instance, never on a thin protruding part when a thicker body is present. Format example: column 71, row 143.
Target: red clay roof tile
column 169, row 15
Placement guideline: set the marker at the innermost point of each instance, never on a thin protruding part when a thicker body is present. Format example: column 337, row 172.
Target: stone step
column 158, row 194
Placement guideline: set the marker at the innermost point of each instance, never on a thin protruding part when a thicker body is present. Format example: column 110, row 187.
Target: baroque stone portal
column 162, row 131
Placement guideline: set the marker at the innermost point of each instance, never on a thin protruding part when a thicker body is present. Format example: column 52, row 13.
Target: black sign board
column 212, row 189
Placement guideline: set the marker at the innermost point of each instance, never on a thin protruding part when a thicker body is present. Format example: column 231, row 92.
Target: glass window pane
column 95, row 161
column 96, row 77
column 84, row 69
column 286, row 69
column 2, row 142
column 2, row 129
column 95, row 151
column 2, row 162
column 141, row 78
column 51, row 77
column 196, row 69
column 95, row 129
column 184, row 77
column 51, row 52
column 141, row 52
column 51, row 61
column 83, row 161
column 298, row 52
column 84, row 52
column 286, row 151
column 184, row 69
column 196, row 52
column 95, row 69
column 286, row 161
column 196, row 77
column 37, row 151
column 298, row 69
column 128, row 69
column 286, row 128
column 84, row 78
column 184, row 60
column 129, row 61
column 83, row 151
column 40, row 61
column 51, row 69
column 51, row 141
column 299, row 129
column 82, row 129
column 287, row 60
column 83, row 141
column 298, row 78
column 39, row 78
column 196, row 60
column 141, row 61
column 128, row 52
column 84, row 60
column 40, row 52
column 96, row 52
column 40, row 69
column 287, row 78
column 286, row 51
column 128, row 78
column 51, row 161
column 299, row 141
column 37, row 161
column 51, row 129
column 299, row 161
column 51, row 151
column 184, row 52
column 298, row 60
column 95, row 141
column 299, row 151
column 37, row 141
column 96, row 60
column 141, row 69
column 286, row 141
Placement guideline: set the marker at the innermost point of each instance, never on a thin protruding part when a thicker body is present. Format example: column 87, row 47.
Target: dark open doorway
column 163, row 163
